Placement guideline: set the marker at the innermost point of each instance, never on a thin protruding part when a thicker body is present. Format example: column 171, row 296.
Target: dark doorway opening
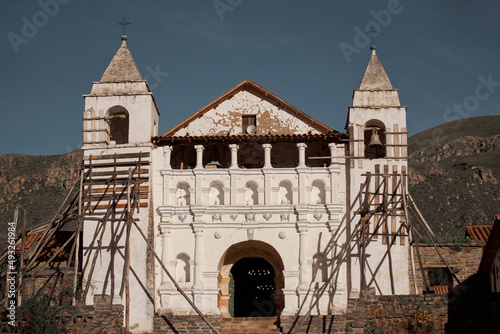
column 253, row 288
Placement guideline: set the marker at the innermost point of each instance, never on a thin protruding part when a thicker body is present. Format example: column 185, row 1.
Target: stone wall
column 52, row 283
column 108, row 318
column 463, row 259
column 315, row 324
column 168, row 323
column 392, row 313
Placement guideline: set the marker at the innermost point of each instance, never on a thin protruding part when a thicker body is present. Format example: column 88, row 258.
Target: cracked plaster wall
column 226, row 118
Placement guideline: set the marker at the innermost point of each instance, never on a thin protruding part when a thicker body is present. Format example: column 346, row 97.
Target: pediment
column 229, row 115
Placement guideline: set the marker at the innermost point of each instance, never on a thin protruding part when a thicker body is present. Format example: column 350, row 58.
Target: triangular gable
column 223, row 116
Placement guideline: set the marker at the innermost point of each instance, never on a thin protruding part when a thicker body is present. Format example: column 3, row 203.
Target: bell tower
column 119, row 121
column 377, row 163
column 120, row 109
column 376, row 122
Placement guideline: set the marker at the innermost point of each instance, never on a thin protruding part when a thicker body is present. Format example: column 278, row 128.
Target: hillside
column 454, row 177
column 455, row 173
column 37, row 184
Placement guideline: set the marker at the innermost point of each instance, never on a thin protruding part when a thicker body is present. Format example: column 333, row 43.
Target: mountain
column 36, row 184
column 454, row 177
column 455, row 173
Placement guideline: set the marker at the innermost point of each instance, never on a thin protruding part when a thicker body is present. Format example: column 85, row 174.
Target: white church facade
column 251, row 205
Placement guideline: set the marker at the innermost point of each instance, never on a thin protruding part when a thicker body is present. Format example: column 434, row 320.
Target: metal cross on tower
column 124, row 24
column 372, row 33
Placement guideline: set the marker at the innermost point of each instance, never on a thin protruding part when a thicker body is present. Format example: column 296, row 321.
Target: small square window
column 249, row 124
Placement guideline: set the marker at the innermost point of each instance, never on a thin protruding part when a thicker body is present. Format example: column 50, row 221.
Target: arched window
column 182, row 269
column 118, row 122
column 251, row 195
column 216, row 194
column 318, row 192
column 182, row 194
column 374, row 140
column 285, row 195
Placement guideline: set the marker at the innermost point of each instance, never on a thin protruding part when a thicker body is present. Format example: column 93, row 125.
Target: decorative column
column 166, row 233
column 233, row 176
column 199, row 156
column 300, row 193
column 198, row 225
column 267, row 155
column 167, row 153
column 302, row 154
column 303, row 229
column 333, row 153
column 198, row 256
column 234, row 155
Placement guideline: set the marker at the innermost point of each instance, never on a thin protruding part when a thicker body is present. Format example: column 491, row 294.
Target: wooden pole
column 424, row 276
column 174, row 282
column 97, row 250
column 364, row 230
column 421, row 216
column 408, row 225
column 341, row 255
column 348, row 223
column 49, row 231
column 77, row 241
column 113, row 231
column 54, row 256
column 441, row 256
column 127, row 258
column 389, row 255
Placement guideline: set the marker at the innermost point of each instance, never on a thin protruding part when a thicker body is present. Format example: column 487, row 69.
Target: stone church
column 253, row 207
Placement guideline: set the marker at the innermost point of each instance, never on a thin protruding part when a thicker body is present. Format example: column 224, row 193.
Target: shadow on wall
column 472, row 308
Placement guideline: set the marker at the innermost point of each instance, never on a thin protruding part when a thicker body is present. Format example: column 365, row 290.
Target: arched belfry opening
column 251, row 280
column 118, row 122
column 374, row 139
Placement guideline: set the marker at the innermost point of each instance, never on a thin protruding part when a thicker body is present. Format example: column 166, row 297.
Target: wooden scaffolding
column 110, row 191
column 384, row 212
column 113, row 188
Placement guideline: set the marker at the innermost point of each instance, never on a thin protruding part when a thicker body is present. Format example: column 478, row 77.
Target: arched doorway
column 252, row 288
column 251, row 280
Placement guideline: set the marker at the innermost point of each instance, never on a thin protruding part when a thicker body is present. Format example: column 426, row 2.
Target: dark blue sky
column 442, row 55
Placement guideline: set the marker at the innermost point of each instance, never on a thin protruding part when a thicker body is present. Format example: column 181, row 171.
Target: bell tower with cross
column 377, row 154
column 376, row 121
column 120, row 109
column 119, row 122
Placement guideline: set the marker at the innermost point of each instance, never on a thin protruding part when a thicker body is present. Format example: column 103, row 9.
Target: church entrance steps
column 249, row 325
